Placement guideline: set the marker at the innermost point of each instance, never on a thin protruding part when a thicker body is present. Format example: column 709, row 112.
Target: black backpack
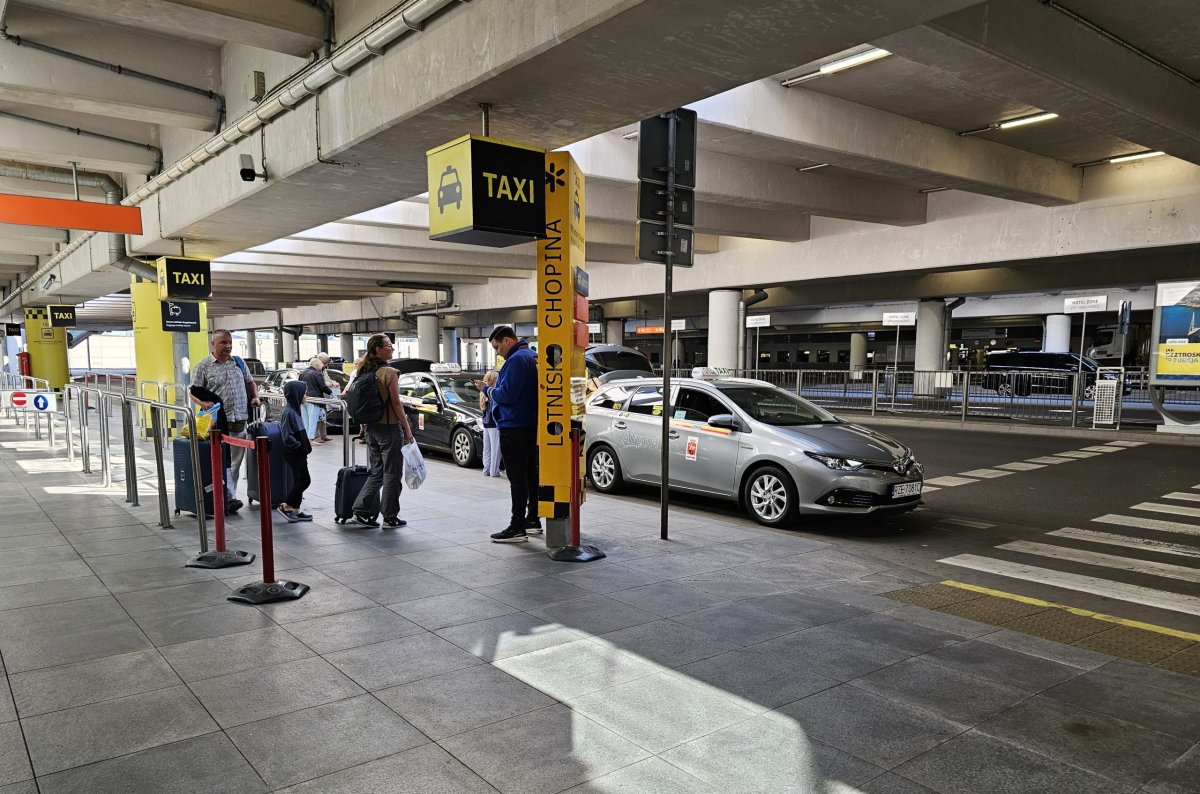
column 363, row 401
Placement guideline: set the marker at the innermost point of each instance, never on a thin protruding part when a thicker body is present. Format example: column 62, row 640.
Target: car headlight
column 479, row 424
column 839, row 464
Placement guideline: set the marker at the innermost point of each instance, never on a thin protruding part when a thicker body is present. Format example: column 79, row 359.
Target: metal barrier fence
column 1043, row 396
column 273, row 405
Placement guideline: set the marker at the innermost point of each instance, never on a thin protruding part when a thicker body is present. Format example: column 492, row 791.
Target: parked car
column 601, row 359
column 774, row 453
column 443, row 411
column 411, row 364
column 272, row 384
column 1024, row 372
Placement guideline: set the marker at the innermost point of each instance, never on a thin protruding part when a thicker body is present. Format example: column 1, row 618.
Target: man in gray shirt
column 223, row 376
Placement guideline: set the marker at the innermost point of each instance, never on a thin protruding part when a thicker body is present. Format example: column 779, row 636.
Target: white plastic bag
column 414, row 465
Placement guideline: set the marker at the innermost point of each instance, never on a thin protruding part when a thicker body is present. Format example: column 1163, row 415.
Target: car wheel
column 462, row 447
column 770, row 496
column 1004, row 389
column 604, row 469
column 1089, row 391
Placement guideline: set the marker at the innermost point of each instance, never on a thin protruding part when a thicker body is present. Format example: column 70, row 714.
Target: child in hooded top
column 491, row 433
column 296, row 448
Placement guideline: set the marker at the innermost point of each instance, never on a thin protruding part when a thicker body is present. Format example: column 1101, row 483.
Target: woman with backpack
column 374, row 401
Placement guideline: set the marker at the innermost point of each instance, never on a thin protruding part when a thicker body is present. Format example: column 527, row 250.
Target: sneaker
column 232, row 506
column 302, row 516
column 394, row 523
column 365, row 520
column 288, row 514
column 510, row 535
column 533, row 526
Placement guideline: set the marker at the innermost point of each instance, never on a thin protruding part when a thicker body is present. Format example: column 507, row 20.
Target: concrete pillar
column 723, row 327
column 13, row 345
column 450, row 345
column 251, row 344
column 471, row 352
column 47, row 347
column 287, row 348
column 348, row 347
column 931, row 331
column 427, row 336
column 163, row 356
column 614, row 332
column 858, row 350
column 1058, row 334
column 322, row 343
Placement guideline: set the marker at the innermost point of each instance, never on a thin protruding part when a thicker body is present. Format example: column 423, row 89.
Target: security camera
column 49, row 282
column 247, row 172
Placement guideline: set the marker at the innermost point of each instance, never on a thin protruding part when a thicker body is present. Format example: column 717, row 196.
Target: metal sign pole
column 1079, row 365
column 665, row 484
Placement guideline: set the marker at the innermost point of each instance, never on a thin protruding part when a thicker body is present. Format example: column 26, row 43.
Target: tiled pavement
column 730, row 658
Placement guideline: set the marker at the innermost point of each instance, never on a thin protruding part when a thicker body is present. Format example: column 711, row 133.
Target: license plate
column 906, row 489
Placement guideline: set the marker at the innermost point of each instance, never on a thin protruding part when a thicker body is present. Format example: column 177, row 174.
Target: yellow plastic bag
column 203, row 426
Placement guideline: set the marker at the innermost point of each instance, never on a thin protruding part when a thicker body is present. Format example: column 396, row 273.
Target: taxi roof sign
column 710, row 373
column 445, row 369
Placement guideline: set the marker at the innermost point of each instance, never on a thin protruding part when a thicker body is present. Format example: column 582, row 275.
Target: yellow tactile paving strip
column 1158, row 646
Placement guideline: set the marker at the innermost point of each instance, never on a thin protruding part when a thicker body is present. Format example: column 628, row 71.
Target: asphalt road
column 1136, row 569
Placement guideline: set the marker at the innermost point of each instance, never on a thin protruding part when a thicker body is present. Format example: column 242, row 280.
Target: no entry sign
column 41, row 401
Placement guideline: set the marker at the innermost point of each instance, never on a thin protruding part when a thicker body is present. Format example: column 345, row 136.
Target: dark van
column 1027, row 372
column 615, row 358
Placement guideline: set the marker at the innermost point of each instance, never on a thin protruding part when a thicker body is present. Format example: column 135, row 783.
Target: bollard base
column 220, row 559
column 266, row 592
column 575, row 554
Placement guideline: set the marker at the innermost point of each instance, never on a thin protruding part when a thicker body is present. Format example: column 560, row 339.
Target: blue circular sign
column 41, row 402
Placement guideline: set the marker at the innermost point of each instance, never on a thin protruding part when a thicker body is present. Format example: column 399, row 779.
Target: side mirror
column 727, row 421
column 430, row 401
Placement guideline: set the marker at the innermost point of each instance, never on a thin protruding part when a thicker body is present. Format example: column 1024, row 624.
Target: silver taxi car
column 776, row 454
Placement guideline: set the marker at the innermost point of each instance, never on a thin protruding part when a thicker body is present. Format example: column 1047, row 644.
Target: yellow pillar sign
column 561, row 314
column 47, row 346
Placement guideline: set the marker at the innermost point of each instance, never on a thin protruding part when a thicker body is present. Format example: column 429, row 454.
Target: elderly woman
column 313, row 379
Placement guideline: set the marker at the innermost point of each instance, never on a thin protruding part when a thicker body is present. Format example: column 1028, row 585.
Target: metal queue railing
column 273, row 405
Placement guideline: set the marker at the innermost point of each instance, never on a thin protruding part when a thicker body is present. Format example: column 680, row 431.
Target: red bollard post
column 576, row 552
column 220, row 557
column 218, row 488
column 268, row 589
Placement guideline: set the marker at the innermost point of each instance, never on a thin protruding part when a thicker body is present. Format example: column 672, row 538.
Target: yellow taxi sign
column 484, row 191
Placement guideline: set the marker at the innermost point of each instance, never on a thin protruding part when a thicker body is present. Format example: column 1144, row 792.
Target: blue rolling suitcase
column 281, row 473
column 185, row 489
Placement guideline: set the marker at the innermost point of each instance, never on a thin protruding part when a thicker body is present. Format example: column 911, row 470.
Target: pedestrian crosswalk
column 1005, row 469
column 1140, row 556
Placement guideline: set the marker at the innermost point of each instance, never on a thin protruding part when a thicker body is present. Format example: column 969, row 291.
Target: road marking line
column 949, row 481
column 1128, row 541
column 1102, row 449
column 984, row 473
column 1087, row 613
column 1049, row 459
column 1164, row 569
column 1183, row 496
column 966, row 522
column 1178, row 510
column 1160, row 599
column 1021, row 466
column 1075, row 453
column 1127, row 443
column 1149, row 523
column 927, row 488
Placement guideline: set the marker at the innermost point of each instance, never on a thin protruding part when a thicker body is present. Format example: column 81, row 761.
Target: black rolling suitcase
column 350, row 481
column 281, row 473
column 185, row 488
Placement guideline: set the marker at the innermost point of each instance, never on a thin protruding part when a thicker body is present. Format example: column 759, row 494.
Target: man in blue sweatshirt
column 515, row 397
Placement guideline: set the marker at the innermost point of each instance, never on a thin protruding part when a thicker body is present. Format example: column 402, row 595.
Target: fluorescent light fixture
column 932, row 189
column 873, row 54
column 629, row 136
column 840, row 65
column 1021, row 122
column 802, row 169
column 1125, row 158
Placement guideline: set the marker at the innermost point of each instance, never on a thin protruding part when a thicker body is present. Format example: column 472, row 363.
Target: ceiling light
column 932, row 189
column 804, row 168
column 1125, row 158
column 833, row 67
column 629, row 136
column 1021, row 122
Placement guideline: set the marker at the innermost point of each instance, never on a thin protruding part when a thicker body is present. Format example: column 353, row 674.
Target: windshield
column 773, row 406
column 459, row 389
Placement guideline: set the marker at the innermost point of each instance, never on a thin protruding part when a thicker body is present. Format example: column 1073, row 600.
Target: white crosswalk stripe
column 1149, row 523
column 1178, row 510
column 1183, row 496
column 1127, row 541
column 1130, row 564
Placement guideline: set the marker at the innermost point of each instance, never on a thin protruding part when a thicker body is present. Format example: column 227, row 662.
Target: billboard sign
column 1175, row 358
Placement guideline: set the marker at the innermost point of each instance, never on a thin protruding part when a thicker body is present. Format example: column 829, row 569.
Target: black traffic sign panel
column 652, row 149
column 652, row 244
column 652, row 204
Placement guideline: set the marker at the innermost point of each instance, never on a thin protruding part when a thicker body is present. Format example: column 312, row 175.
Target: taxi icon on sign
column 449, row 190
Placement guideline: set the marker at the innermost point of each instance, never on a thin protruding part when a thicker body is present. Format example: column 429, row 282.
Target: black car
column 443, row 410
column 1027, row 372
column 411, row 364
column 272, row 385
column 600, row 359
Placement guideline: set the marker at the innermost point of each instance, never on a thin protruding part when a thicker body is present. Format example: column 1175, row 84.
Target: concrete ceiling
column 330, row 229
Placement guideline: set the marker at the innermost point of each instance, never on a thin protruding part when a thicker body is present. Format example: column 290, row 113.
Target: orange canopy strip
column 68, row 214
